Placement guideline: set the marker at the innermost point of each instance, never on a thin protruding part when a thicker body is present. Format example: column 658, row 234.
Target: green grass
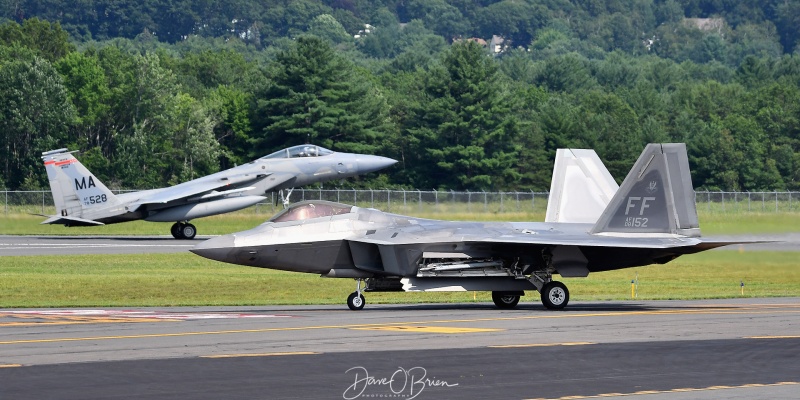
column 184, row 279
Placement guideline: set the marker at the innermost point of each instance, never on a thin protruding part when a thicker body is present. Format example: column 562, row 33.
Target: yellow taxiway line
column 697, row 311
column 516, row 346
column 681, row 390
column 289, row 353
column 774, row 337
column 427, row 329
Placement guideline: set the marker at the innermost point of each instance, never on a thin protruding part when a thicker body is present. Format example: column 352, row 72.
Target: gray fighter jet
column 591, row 226
column 83, row 200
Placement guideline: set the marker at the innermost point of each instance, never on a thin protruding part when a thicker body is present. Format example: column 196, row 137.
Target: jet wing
column 196, row 191
column 533, row 239
column 689, row 245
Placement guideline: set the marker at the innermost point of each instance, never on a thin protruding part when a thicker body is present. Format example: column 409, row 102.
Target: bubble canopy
column 311, row 209
column 303, row 150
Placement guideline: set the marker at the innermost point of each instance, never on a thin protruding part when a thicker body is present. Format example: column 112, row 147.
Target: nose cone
column 218, row 248
column 373, row 163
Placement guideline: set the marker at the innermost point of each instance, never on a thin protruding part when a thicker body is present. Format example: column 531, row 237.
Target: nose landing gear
column 356, row 300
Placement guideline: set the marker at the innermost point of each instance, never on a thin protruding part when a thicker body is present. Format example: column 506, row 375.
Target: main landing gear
column 183, row 230
column 356, row 300
column 554, row 294
column 505, row 300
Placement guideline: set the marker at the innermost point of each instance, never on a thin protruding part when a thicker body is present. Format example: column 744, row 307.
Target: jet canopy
column 311, row 209
column 303, row 150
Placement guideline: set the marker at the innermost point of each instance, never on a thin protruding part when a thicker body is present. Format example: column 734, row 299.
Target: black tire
column 188, row 231
column 555, row 295
column 355, row 301
column 504, row 300
column 175, row 230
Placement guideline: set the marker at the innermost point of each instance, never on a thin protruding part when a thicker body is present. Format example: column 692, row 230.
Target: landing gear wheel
column 175, row 230
column 505, row 300
column 188, row 231
column 555, row 295
column 355, row 301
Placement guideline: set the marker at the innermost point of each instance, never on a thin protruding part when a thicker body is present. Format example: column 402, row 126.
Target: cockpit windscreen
column 303, row 150
column 304, row 211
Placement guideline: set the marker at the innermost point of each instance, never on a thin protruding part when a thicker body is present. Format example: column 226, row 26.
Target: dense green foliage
column 159, row 91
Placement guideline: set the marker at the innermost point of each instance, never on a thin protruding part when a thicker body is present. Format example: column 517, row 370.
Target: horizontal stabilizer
column 68, row 221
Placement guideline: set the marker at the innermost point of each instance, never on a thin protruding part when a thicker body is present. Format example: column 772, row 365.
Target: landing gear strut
column 555, row 295
column 356, row 300
column 183, row 230
column 285, row 198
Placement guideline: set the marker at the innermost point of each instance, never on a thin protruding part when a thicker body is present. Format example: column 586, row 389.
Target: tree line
column 159, row 92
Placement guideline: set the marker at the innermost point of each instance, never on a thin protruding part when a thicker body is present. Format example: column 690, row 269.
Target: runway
column 740, row 348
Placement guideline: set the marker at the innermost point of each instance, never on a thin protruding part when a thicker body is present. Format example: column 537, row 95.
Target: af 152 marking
column 637, row 222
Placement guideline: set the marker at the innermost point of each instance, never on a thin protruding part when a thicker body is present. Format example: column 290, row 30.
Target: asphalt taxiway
column 741, row 348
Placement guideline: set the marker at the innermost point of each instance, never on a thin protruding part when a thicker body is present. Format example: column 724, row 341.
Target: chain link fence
column 422, row 202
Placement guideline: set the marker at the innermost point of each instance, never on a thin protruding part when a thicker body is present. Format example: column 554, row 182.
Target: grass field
column 184, row 279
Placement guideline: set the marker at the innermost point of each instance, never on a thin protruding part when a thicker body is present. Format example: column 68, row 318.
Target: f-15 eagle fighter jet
column 83, row 200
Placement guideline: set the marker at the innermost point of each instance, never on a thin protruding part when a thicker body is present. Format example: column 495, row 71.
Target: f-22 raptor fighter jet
column 591, row 226
column 83, row 200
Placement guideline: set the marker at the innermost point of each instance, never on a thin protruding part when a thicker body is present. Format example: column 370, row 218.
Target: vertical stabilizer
column 75, row 189
column 581, row 187
column 656, row 197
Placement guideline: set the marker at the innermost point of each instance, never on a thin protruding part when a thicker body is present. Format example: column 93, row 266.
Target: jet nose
column 373, row 163
column 218, row 248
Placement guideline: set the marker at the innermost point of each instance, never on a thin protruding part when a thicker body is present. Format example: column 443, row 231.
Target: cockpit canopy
column 311, row 209
column 303, row 150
